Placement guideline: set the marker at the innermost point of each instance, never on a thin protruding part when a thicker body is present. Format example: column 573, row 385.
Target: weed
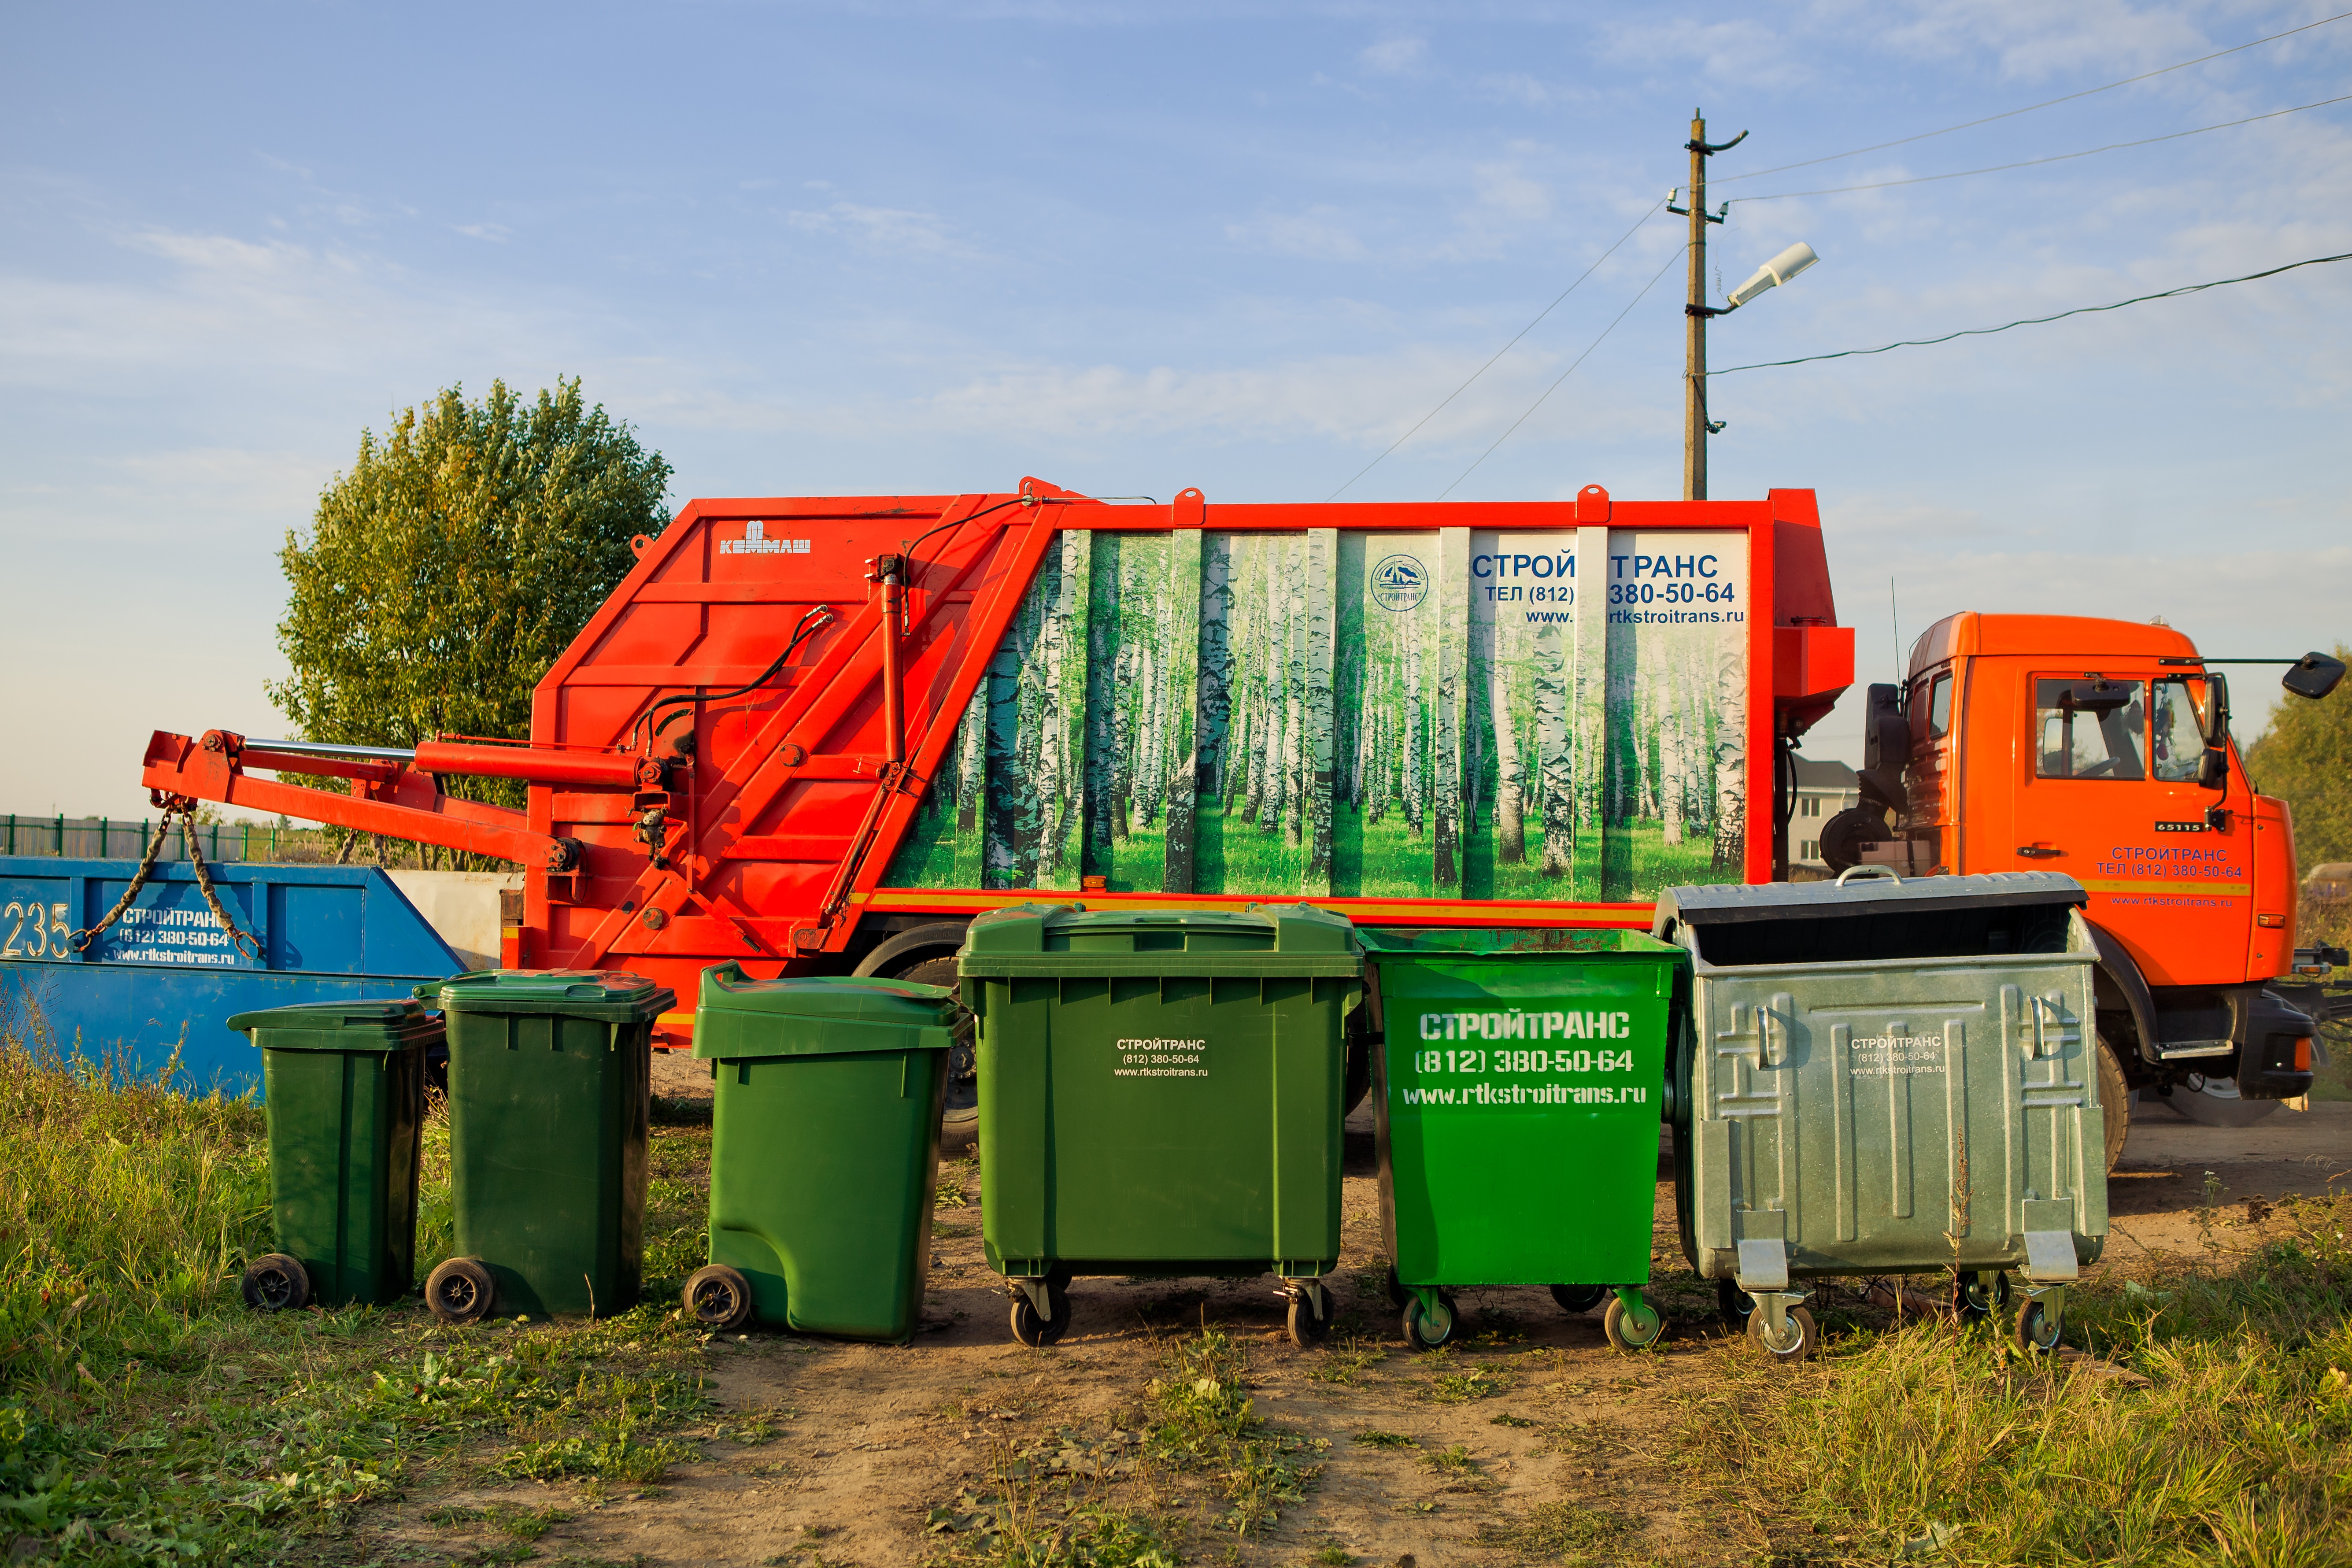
column 1551, row 1531
column 506, row 1552
column 447, row 1518
column 1377, row 1440
column 1504, row 1419
column 1346, row 1362
column 1452, row 1460
column 526, row 1524
column 1207, row 1423
column 1461, row 1387
column 1336, row 1556
column 1022, row 1516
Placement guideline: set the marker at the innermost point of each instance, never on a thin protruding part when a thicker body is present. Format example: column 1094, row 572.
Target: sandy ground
column 870, row 1440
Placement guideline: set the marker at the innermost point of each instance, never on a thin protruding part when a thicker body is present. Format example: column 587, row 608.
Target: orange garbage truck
column 2102, row 749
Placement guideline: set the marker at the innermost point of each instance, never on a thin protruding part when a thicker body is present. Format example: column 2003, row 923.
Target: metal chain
column 244, row 941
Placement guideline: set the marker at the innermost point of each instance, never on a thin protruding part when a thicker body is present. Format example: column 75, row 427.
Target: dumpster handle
column 1876, row 870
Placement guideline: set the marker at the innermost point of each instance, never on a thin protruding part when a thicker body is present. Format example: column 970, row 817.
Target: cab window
column 2090, row 728
column 1939, row 708
column 2177, row 750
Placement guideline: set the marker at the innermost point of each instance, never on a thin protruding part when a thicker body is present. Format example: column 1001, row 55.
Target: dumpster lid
column 1071, row 940
column 385, row 1024
column 1512, row 942
column 612, row 995
column 819, row 1015
column 1729, row 903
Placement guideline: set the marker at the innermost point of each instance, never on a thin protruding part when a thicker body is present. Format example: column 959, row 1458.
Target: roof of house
column 1812, row 775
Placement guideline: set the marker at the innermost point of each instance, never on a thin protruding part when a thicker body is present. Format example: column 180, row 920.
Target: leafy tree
column 2305, row 757
column 442, row 576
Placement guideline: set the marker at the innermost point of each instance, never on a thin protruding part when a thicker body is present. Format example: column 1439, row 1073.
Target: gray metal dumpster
column 1884, row 1076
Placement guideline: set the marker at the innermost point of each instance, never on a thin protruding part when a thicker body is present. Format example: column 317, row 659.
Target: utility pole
column 1695, row 428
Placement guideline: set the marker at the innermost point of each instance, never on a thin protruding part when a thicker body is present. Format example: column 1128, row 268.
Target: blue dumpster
column 166, row 975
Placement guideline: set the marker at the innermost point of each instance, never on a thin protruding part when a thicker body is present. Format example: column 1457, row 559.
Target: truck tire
column 2214, row 1102
column 960, row 1115
column 2114, row 1101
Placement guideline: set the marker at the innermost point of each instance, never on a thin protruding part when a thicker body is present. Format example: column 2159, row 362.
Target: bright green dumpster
column 824, row 1145
column 345, row 1086
column 550, row 1085
column 1160, row 1094
column 1518, row 1089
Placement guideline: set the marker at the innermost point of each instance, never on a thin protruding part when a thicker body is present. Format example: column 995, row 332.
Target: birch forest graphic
column 1558, row 715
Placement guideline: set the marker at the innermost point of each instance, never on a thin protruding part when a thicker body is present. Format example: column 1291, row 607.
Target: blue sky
column 875, row 248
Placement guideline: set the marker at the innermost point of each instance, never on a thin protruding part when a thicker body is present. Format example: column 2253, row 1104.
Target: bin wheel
column 1733, row 1305
column 1577, row 1298
column 1397, row 1294
column 2038, row 1330
column 1034, row 1331
column 1629, row 1332
column 1423, row 1329
column 1310, row 1316
column 718, row 1298
column 1978, row 1294
column 461, row 1292
column 1803, row 1337
column 275, row 1283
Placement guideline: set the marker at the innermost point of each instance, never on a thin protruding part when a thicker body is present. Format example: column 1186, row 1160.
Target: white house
column 1823, row 789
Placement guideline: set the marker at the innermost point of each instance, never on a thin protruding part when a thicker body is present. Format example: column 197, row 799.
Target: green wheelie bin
column 1160, row 1094
column 550, row 1090
column 1519, row 1086
column 345, row 1083
column 823, row 1149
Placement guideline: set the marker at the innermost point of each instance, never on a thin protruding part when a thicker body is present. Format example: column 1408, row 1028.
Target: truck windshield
column 2179, row 748
column 2090, row 729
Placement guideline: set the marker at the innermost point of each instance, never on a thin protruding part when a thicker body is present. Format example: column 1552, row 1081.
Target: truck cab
column 2102, row 749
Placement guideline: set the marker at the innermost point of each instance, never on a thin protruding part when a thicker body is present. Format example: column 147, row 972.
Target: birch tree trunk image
column 1552, row 750
column 1729, row 694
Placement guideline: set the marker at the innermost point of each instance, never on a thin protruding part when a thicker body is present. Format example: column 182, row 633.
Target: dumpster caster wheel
column 1310, row 1315
column 1733, row 1305
column 1037, row 1333
column 718, row 1297
column 1426, row 1329
column 1574, row 1299
column 1635, row 1328
column 1801, row 1340
column 1397, row 1294
column 461, row 1292
column 275, row 1283
column 1978, row 1294
column 2039, row 1330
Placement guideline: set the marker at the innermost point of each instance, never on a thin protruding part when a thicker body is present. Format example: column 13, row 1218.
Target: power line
column 2059, row 158
column 2031, row 108
column 1500, row 352
column 1580, row 359
column 2036, row 320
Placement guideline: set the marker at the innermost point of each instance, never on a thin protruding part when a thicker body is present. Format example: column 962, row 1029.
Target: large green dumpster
column 1889, row 1075
column 1159, row 1093
column 824, row 1145
column 549, row 1093
column 345, row 1086
column 1519, row 1087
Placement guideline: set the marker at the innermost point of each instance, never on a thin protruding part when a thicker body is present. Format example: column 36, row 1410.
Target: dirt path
column 1526, row 1438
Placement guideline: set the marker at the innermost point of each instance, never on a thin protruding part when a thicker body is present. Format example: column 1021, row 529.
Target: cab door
column 2110, row 796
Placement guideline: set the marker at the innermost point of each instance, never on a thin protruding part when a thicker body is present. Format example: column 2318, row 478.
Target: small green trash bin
column 1160, row 1094
column 824, row 1145
column 345, row 1083
column 1519, row 1087
column 549, row 1082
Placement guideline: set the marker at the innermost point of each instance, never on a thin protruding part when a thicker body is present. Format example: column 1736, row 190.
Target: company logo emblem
column 755, row 541
column 1399, row 583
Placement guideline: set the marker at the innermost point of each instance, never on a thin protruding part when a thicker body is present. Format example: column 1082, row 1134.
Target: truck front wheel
column 2114, row 1100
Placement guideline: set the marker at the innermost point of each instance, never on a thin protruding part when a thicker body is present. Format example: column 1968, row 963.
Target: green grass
column 1204, row 1420
column 146, row 1415
column 2237, row 1448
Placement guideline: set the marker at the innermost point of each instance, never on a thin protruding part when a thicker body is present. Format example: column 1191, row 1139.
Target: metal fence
column 126, row 838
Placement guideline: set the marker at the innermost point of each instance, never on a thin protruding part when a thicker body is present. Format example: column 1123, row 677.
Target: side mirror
column 2314, row 675
column 2213, row 772
column 2217, row 710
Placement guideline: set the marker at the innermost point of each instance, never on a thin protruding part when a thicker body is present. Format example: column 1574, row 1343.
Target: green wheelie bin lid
column 391, row 1024
column 606, row 996
column 1069, row 940
column 740, row 1017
